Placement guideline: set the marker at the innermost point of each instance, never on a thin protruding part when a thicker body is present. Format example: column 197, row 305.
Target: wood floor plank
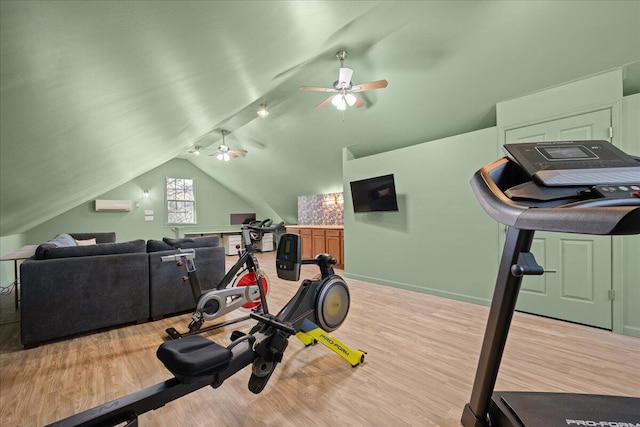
column 421, row 357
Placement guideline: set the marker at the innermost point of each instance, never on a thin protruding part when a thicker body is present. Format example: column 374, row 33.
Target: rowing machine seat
column 193, row 356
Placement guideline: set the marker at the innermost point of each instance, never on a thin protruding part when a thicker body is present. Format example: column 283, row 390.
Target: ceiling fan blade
column 360, row 102
column 345, row 75
column 318, row 89
column 240, row 152
column 378, row 84
column 324, row 103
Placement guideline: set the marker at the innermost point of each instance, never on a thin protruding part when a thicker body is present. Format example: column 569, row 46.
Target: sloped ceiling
column 95, row 93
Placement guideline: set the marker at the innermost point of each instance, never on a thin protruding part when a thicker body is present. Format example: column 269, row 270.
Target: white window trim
column 166, row 200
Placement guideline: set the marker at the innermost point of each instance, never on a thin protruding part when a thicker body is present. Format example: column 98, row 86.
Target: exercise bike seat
column 193, row 356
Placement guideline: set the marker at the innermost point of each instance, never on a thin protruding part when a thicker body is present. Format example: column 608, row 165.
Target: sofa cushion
column 133, row 246
column 158, row 246
column 184, row 243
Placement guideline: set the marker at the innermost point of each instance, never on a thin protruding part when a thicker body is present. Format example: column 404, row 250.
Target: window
column 181, row 201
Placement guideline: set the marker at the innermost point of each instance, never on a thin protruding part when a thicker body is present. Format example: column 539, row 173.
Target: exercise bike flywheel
column 332, row 304
column 248, row 278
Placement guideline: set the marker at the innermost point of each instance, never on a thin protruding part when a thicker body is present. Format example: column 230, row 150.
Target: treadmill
column 601, row 210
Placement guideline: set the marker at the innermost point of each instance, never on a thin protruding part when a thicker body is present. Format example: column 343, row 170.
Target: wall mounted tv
column 374, row 194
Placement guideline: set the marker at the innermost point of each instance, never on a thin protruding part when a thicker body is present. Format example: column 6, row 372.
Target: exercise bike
column 238, row 288
column 318, row 307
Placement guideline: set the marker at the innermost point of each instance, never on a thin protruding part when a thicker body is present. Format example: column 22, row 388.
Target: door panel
column 577, row 269
column 577, row 277
column 537, row 284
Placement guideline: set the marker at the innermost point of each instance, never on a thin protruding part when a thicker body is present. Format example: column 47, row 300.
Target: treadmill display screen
column 574, row 152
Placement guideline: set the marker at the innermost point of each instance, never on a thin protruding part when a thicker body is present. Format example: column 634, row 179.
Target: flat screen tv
column 374, row 194
column 241, row 218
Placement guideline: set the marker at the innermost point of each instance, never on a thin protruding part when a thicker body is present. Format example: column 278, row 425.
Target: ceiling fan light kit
column 225, row 153
column 344, row 88
column 262, row 111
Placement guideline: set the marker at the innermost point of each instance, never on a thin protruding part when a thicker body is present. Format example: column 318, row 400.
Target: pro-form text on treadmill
column 591, row 423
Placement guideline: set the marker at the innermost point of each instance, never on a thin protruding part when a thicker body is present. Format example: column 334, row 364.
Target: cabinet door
column 307, row 244
column 577, row 281
column 319, row 246
column 334, row 245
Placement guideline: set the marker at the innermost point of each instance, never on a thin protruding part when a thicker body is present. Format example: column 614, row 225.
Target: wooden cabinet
column 321, row 239
column 307, row 243
column 334, row 244
column 318, row 242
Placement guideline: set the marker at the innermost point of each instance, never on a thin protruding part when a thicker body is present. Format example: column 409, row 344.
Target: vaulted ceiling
column 96, row 93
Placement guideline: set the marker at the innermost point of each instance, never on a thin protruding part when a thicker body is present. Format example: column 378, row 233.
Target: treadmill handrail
column 594, row 216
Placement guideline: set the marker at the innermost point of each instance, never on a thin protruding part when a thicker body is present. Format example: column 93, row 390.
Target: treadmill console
column 288, row 257
column 566, row 163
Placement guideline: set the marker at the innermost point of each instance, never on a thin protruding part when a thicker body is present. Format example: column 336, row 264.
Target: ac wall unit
column 113, row 205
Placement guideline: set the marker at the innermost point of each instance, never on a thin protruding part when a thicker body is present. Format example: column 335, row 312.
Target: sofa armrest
column 168, row 293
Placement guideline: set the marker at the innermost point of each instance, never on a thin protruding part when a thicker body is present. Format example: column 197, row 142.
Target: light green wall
column 631, row 244
column 441, row 241
column 9, row 244
column 214, row 203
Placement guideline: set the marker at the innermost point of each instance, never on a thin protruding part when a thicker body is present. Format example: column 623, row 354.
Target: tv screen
column 241, row 218
column 374, row 194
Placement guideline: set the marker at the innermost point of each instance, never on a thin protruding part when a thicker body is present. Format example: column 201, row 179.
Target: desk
column 23, row 253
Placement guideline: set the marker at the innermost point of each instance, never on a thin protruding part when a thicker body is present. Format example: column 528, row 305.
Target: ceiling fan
column 344, row 89
column 197, row 150
column 225, row 153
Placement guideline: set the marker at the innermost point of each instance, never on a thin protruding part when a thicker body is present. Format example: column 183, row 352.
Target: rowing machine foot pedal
column 264, row 365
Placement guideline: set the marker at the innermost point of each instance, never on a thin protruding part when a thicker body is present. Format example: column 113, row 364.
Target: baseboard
column 632, row 331
column 421, row 289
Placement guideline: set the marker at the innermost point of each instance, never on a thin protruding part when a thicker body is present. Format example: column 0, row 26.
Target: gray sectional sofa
column 67, row 289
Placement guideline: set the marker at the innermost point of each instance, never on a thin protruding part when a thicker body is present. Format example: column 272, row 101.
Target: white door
column 577, row 281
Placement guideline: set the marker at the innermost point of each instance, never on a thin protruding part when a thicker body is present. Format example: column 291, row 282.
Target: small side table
column 21, row 254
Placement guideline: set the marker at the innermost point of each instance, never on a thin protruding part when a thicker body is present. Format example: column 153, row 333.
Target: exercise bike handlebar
column 184, row 254
column 269, row 229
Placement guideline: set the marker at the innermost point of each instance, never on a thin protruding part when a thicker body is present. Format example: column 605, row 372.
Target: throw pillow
column 87, row 242
column 62, row 240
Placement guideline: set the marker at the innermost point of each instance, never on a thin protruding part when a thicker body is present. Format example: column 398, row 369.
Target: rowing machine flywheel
column 332, row 304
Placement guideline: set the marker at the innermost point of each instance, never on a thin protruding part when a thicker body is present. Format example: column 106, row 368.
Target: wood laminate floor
column 422, row 354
